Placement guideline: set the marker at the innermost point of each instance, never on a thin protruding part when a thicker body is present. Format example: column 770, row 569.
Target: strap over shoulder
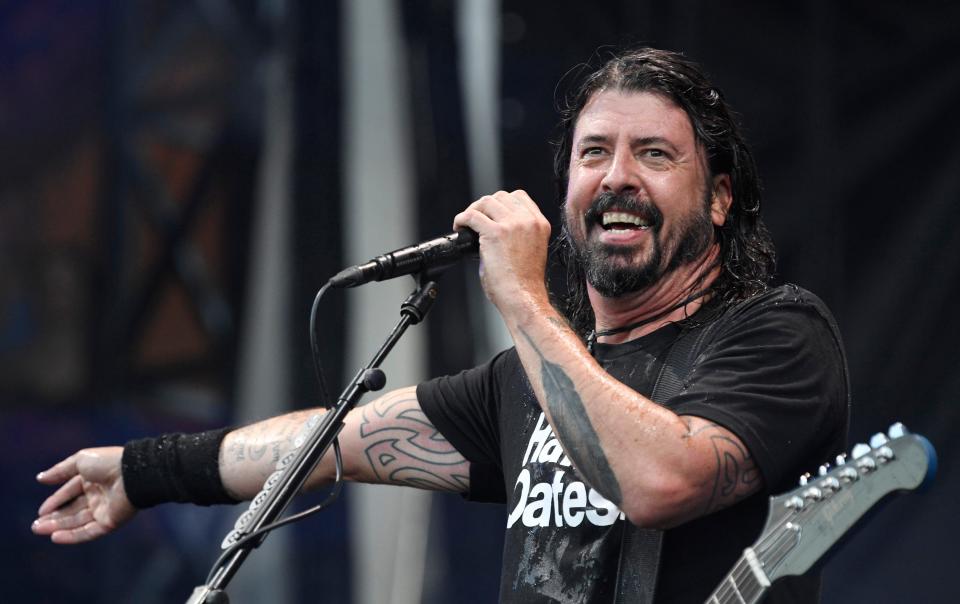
column 639, row 561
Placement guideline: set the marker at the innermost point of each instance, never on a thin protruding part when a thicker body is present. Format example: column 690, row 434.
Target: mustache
column 627, row 203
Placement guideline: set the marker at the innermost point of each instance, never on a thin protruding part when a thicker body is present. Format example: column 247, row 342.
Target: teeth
column 624, row 218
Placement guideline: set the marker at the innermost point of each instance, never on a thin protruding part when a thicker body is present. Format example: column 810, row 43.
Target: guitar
column 805, row 523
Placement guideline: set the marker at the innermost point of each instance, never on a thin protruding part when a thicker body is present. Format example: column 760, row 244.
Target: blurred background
column 179, row 178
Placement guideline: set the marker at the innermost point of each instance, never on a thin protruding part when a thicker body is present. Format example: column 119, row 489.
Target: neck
column 666, row 293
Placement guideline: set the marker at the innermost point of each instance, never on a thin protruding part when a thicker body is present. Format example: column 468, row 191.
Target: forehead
column 611, row 113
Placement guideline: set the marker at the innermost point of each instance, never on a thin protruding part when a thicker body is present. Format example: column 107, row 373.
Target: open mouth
column 623, row 221
column 622, row 218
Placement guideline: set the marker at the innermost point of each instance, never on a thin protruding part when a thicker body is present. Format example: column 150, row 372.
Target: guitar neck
column 745, row 584
column 803, row 524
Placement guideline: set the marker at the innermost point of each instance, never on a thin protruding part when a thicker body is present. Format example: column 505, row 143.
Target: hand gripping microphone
column 433, row 254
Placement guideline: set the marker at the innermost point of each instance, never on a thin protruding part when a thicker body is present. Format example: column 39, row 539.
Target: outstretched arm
column 388, row 441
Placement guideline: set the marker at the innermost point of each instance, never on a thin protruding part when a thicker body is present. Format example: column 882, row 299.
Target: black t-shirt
column 772, row 371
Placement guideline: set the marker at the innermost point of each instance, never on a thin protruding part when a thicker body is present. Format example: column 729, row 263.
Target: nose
column 622, row 175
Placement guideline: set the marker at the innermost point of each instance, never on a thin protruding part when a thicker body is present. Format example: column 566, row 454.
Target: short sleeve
column 465, row 409
column 774, row 374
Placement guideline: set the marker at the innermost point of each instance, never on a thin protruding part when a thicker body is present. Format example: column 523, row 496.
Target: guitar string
column 800, row 515
column 725, row 591
column 774, row 541
column 729, row 591
column 763, row 547
column 778, row 542
column 732, row 588
column 746, row 589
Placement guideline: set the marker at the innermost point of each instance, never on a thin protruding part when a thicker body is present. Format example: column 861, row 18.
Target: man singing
column 573, row 428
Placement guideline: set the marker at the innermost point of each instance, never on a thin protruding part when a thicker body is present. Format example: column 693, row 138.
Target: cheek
column 582, row 182
column 576, row 202
column 571, row 219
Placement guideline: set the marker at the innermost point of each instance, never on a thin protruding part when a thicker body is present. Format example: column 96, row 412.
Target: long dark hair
column 747, row 254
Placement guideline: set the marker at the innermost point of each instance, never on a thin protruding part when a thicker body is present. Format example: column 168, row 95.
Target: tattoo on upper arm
column 574, row 429
column 735, row 474
column 402, row 447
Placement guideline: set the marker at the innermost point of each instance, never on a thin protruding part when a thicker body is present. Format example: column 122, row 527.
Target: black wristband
column 182, row 468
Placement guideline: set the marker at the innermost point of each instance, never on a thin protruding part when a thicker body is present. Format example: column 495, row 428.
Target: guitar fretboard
column 744, row 585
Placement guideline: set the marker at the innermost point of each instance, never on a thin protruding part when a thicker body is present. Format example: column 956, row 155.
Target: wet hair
column 747, row 254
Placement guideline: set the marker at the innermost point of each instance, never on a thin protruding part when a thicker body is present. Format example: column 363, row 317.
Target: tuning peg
column 794, row 503
column 848, row 474
column 841, row 459
column 804, row 479
column 878, row 440
column 884, row 454
column 830, row 485
column 859, row 450
column 823, row 469
column 897, row 430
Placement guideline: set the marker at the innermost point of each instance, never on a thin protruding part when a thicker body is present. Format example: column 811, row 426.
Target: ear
column 720, row 199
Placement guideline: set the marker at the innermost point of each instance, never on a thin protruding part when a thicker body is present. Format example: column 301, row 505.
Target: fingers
column 68, row 530
column 74, row 523
column 88, row 532
column 499, row 208
column 90, row 501
column 60, row 472
column 71, row 490
column 524, row 200
column 73, row 516
column 472, row 218
column 480, row 215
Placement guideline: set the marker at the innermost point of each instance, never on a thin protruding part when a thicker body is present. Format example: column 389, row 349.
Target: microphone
column 433, row 254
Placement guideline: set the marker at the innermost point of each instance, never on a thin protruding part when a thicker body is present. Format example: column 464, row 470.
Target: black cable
column 315, row 347
column 338, row 479
column 334, row 494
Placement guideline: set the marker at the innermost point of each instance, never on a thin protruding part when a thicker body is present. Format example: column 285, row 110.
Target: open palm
column 91, row 501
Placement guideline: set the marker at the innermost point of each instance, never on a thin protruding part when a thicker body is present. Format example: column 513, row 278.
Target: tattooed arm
column 661, row 469
column 388, row 441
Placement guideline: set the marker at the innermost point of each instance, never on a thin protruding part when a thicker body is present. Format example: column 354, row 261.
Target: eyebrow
column 593, row 138
column 636, row 142
column 652, row 140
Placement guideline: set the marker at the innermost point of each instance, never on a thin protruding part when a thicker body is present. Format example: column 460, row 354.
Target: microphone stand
column 293, row 470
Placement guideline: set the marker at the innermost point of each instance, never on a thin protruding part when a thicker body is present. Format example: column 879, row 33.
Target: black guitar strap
column 640, row 548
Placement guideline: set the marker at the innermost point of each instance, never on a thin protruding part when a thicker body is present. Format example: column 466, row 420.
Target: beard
column 610, row 269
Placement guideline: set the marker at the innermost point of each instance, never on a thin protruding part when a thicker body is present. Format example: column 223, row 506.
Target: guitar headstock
column 806, row 522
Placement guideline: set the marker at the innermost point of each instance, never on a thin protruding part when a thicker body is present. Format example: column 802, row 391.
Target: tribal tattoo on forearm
column 574, row 429
column 736, row 475
column 409, row 450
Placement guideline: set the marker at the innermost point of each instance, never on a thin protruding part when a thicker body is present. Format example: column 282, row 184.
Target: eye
column 658, row 153
column 592, row 151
